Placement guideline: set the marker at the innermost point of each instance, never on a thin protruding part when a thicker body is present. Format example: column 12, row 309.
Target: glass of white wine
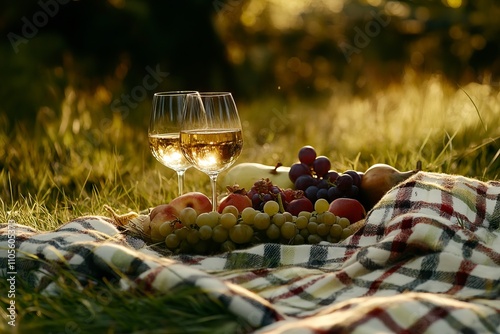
column 164, row 132
column 211, row 136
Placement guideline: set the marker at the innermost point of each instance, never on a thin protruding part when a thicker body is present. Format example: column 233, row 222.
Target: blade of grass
column 475, row 106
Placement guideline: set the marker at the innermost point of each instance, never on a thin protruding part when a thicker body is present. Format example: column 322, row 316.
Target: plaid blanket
column 426, row 261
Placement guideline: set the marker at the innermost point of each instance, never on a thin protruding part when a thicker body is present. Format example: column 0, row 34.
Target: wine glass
column 164, row 129
column 211, row 137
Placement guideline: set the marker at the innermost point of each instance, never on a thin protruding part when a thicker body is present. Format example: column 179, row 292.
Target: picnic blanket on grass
column 426, row 261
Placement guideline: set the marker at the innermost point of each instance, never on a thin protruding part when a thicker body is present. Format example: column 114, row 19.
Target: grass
column 103, row 308
column 75, row 160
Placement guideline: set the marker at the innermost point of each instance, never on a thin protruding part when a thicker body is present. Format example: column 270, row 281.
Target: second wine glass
column 211, row 136
column 163, row 133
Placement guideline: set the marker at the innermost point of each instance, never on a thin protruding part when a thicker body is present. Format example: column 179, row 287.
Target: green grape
column 344, row 222
column 336, row 231
column 219, row 233
column 278, row 219
column 232, row 210
column 312, row 227
column 314, row 239
column 201, row 247
column 188, row 216
column 182, row 232
column 193, row 236
column 271, row 208
column 346, row 232
column 214, row 218
column 248, row 215
column 321, row 205
column 166, row 228
column 241, row 233
column 329, row 218
column 227, row 220
column 288, row 216
column 273, row 232
column 228, row 246
column 185, row 247
column 313, row 219
column 319, row 218
column 306, row 214
column 172, row 241
column 323, row 230
column 205, row 232
column 203, row 219
column 298, row 240
column 301, row 222
column 261, row 221
column 288, row 230
column 304, row 233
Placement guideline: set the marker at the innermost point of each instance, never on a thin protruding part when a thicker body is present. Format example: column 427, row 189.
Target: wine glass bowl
column 164, row 132
column 211, row 136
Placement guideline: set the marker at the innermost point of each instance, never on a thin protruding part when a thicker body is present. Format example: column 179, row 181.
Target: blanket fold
column 427, row 260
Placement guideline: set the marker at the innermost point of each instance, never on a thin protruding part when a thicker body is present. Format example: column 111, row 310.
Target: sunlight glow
column 374, row 3
column 397, row 8
column 285, row 14
column 454, row 3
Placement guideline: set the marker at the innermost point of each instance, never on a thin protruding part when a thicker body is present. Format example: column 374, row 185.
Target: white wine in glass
column 211, row 136
column 164, row 132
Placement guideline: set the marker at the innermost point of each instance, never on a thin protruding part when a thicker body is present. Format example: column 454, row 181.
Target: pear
column 245, row 175
column 378, row 180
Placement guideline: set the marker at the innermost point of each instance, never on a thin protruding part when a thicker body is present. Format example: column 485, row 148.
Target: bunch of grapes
column 215, row 232
column 313, row 175
column 264, row 191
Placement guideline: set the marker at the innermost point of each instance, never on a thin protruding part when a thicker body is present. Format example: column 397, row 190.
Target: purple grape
column 356, row 178
column 333, row 194
column 267, row 197
column 303, row 182
column 256, row 201
column 344, row 182
column 275, row 190
column 322, row 165
column 331, row 176
column 322, row 193
column 298, row 169
column 307, row 154
column 353, row 192
column 311, row 193
column 323, row 184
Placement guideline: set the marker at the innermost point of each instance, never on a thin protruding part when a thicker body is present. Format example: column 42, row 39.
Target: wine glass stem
column 213, row 179
column 180, row 181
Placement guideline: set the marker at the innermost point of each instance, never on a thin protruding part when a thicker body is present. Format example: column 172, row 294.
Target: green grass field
column 75, row 160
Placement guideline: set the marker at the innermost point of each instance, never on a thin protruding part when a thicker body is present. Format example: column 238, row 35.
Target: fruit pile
column 213, row 232
column 320, row 205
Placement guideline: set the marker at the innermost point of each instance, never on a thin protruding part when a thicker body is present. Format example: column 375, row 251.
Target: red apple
column 348, row 208
column 160, row 214
column 196, row 200
column 298, row 205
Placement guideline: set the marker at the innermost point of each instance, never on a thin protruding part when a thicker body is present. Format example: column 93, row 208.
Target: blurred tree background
column 118, row 52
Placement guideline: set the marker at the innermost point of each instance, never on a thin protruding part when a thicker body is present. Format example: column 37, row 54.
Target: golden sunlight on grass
column 414, row 121
column 83, row 160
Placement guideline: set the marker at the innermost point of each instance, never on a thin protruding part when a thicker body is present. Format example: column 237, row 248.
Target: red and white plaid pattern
column 427, row 261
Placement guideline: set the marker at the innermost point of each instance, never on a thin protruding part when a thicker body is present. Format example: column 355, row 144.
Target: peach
column 160, row 214
column 349, row 208
column 196, row 200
